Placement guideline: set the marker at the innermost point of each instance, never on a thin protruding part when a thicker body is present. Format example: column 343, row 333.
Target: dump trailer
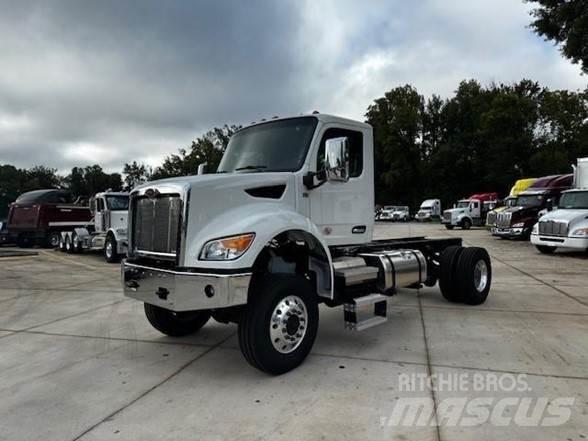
column 284, row 225
column 38, row 217
column 106, row 231
column 567, row 226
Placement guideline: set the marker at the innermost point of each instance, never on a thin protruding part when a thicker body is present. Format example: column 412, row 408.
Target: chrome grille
column 156, row 224
column 491, row 218
column 503, row 220
column 553, row 228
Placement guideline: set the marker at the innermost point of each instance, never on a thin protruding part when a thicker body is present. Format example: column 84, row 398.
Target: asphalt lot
column 79, row 361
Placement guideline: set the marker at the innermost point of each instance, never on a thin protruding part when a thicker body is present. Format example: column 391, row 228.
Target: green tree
column 397, row 122
column 136, row 174
column 208, row 149
column 565, row 22
column 92, row 179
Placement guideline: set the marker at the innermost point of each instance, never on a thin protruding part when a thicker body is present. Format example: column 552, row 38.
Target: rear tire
column 68, row 244
column 474, row 275
column 544, row 249
column 52, row 239
column 466, row 224
column 176, row 324
column 279, row 326
column 448, row 273
column 75, row 243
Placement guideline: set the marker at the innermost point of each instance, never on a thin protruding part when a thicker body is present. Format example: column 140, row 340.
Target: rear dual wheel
column 465, row 274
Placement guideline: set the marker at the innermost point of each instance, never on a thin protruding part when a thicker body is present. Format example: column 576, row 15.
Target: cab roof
column 322, row 117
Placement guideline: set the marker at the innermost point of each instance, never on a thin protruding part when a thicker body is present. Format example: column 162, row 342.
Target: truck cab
column 285, row 224
column 510, row 201
column 517, row 222
column 430, row 209
column 567, row 226
column 385, row 214
column 469, row 212
column 107, row 230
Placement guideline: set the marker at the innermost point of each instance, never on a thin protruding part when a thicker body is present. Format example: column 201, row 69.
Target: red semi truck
column 38, row 217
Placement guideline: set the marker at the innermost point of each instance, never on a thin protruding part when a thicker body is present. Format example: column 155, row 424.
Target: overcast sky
column 114, row 81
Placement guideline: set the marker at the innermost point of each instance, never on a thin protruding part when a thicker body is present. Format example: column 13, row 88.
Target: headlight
column 227, row 248
column 121, row 231
column 580, row 232
column 519, row 225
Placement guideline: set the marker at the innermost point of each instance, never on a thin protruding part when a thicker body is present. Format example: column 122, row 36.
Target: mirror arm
column 308, row 179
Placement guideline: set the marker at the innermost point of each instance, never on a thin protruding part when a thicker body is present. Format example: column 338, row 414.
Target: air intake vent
column 268, row 192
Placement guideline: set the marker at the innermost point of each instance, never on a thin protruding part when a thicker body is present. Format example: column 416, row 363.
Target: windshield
column 425, row 208
column 401, row 208
column 270, row 147
column 389, row 207
column 578, row 200
column 530, row 200
column 115, row 203
column 463, row 204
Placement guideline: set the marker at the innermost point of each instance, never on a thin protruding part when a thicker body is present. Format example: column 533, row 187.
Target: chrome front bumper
column 184, row 291
column 509, row 232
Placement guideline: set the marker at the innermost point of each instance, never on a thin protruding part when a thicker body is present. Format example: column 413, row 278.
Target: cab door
column 99, row 220
column 475, row 209
column 344, row 211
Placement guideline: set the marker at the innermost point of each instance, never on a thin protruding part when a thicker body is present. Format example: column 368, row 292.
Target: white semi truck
column 285, row 224
column 106, row 231
column 429, row 210
column 567, row 226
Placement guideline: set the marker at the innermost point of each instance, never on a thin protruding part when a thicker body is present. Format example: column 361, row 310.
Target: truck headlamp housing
column 580, row 232
column 121, row 231
column 227, row 248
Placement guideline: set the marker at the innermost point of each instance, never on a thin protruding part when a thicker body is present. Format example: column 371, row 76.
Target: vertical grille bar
column 156, row 224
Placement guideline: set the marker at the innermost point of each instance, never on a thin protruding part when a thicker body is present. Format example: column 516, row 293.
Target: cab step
column 365, row 312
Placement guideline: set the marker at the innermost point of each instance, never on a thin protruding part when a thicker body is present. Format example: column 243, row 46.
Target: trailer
column 284, row 225
column 106, row 231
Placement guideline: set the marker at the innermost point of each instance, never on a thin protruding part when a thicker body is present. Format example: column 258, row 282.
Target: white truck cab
column 386, row 212
column 469, row 212
column 106, row 231
column 430, row 209
column 567, row 226
column 285, row 224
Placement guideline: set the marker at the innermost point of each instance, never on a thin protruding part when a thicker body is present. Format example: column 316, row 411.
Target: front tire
column 176, row 324
column 110, row 253
column 466, row 224
column 279, row 326
column 544, row 249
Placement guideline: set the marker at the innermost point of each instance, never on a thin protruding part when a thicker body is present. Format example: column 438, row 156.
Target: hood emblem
column 151, row 193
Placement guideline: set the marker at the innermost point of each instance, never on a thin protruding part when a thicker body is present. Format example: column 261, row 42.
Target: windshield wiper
column 251, row 167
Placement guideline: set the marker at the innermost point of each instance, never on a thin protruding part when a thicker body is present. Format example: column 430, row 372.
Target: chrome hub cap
column 288, row 324
column 109, row 249
column 481, row 275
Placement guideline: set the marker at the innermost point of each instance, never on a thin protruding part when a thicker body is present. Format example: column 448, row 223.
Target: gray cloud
column 113, row 81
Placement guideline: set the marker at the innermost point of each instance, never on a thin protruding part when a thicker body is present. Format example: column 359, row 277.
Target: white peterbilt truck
column 285, row 224
column 567, row 226
column 106, row 231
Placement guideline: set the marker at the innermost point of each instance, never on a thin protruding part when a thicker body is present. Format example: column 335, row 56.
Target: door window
column 355, row 150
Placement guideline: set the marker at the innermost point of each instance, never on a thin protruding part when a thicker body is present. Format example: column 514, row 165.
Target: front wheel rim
column 54, row 240
column 288, row 324
column 109, row 249
column 481, row 275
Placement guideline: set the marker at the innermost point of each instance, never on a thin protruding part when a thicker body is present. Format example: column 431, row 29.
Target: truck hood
column 455, row 211
column 565, row 215
column 220, row 205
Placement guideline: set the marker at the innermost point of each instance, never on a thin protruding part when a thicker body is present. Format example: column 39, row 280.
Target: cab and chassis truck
column 285, row 224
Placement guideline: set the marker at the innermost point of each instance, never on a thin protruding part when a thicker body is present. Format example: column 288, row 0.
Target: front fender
column 265, row 219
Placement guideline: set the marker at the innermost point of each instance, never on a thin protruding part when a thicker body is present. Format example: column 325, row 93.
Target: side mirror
column 202, row 168
column 337, row 159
